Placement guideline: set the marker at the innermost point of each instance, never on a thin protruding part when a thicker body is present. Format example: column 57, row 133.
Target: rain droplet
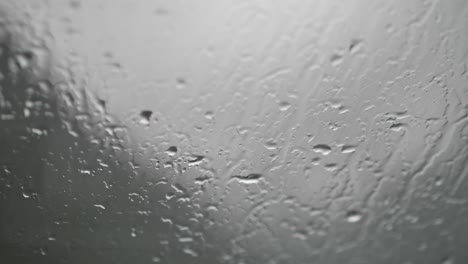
column 353, row 216
column 75, row 4
column 284, row 106
column 23, row 59
column 161, row 11
column 181, row 80
column 195, row 160
column 101, row 104
column 355, row 46
column 336, row 59
column 397, row 127
column 300, row 236
column 209, row 115
column 447, row 260
column 167, row 221
column 331, row 166
column 171, row 151
column 322, row 149
column 190, row 252
column 38, row 132
column 86, row 172
column 248, row 179
column 100, row 206
column 43, row 251
column 181, row 83
column 270, row 144
column 348, row 149
column 145, row 117
column 316, row 161
column 185, row 239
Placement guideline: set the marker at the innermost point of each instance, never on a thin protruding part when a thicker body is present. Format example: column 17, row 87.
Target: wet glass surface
column 234, row 131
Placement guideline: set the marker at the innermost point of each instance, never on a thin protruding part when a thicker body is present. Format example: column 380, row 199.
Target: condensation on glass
column 234, row 131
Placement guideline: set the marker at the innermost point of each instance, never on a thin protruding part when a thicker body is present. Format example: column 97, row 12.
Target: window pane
column 233, row 131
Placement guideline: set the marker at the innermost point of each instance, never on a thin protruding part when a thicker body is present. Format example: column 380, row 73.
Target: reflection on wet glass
column 233, row 131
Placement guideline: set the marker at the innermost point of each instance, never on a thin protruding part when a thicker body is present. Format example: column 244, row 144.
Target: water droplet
column 209, row 115
column 170, row 195
column 348, row 149
column 438, row 221
column 316, row 161
column 44, row 87
column 181, row 83
column 202, row 179
column 100, row 206
column 353, row 216
column 195, row 160
column 75, row 4
column 270, row 144
column 355, row 46
column 161, row 11
column 145, row 117
column 38, row 132
column 248, row 179
column 439, row 181
column 322, row 149
column 171, row 151
column 284, row 106
column 43, row 251
column 167, row 221
column 397, row 127
column 300, row 236
column 447, row 260
column 413, row 219
column 190, row 252
column 331, row 166
column 185, row 239
column 336, row 59
column 23, row 60
column 168, row 164
column 87, row 172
